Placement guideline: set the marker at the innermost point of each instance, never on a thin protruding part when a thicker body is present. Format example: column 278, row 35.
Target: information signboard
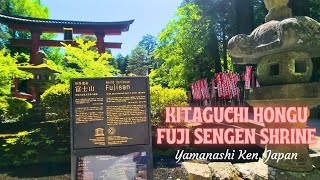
column 110, row 128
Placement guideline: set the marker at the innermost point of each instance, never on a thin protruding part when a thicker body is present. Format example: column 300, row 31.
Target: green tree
column 122, row 63
column 112, row 61
column 137, row 61
column 27, row 8
column 87, row 38
column 243, row 16
column 181, row 46
column 8, row 71
column 56, row 55
column 149, row 43
column 83, row 62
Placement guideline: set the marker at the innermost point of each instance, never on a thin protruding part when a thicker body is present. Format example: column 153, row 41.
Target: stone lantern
column 43, row 75
column 282, row 48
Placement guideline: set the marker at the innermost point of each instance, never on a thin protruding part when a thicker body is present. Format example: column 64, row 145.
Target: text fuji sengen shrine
column 230, row 116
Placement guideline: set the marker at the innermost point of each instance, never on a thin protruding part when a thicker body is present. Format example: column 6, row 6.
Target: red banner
column 219, row 85
column 232, row 84
column 197, row 91
column 213, row 90
column 202, row 88
column 226, row 86
column 206, row 90
column 248, row 77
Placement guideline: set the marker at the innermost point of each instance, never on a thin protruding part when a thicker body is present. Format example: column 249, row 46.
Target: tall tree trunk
column 215, row 51
column 224, row 46
column 300, row 7
column 243, row 16
column 243, row 19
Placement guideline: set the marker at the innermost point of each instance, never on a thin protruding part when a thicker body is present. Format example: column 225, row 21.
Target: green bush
column 56, row 100
column 162, row 98
column 49, row 142
column 13, row 109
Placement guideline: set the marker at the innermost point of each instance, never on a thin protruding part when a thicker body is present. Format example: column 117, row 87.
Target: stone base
column 260, row 171
column 253, row 170
column 197, row 171
column 248, row 171
column 290, row 95
column 275, row 174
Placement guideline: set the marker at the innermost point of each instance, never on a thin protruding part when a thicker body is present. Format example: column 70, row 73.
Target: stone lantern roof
column 292, row 34
column 280, row 33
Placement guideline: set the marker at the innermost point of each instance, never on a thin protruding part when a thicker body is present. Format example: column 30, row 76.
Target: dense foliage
column 47, row 142
column 8, row 70
column 164, row 97
column 137, row 61
column 82, row 62
column 13, row 109
column 193, row 45
column 27, row 8
column 180, row 45
column 56, row 100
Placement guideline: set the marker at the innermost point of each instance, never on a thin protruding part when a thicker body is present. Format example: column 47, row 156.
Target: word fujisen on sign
column 236, row 115
column 117, row 85
column 228, row 117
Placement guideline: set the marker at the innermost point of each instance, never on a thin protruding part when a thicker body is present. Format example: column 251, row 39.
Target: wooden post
column 100, row 42
column 35, row 39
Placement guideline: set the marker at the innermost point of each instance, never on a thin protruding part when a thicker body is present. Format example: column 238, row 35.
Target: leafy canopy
column 137, row 61
column 27, row 8
column 180, row 44
column 8, row 71
column 83, row 62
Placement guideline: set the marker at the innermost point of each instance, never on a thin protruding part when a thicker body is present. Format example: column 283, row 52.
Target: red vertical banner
column 243, row 77
column 206, row 89
column 202, row 89
column 248, row 77
column 226, row 86
column 199, row 95
column 196, row 95
column 213, row 90
column 229, row 85
column 232, row 85
column 223, row 91
column 219, row 86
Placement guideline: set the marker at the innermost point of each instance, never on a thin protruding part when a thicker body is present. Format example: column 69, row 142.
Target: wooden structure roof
column 21, row 23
